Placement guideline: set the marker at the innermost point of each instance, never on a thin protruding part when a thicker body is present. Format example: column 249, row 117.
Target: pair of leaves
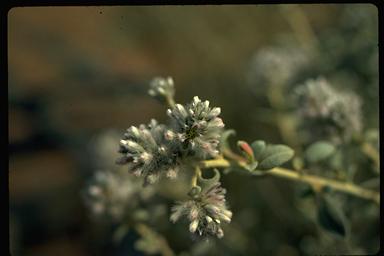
column 330, row 216
column 265, row 157
column 329, row 213
column 259, row 155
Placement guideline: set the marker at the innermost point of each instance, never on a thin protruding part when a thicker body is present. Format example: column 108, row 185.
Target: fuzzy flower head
column 276, row 65
column 147, row 152
column 110, row 193
column 205, row 212
column 162, row 88
column 338, row 114
column 198, row 127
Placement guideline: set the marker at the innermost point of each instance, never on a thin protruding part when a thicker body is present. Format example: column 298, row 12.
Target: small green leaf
column 330, row 216
column 224, row 139
column 140, row 215
column 120, row 232
column 274, row 155
column 251, row 167
column 371, row 135
column 227, row 170
column 336, row 160
column 297, row 163
column 194, row 192
column 319, row 150
column 150, row 241
column 306, row 191
column 147, row 245
column 258, row 147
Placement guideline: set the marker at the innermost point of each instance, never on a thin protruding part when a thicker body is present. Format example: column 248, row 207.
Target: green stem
column 170, row 102
column 316, row 182
column 194, row 177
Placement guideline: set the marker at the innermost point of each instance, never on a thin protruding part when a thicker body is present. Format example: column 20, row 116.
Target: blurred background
column 77, row 72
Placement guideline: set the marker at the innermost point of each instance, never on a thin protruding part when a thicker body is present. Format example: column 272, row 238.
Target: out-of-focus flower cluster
column 162, row 89
column 276, row 65
column 110, row 193
column 155, row 149
column 329, row 113
column 205, row 211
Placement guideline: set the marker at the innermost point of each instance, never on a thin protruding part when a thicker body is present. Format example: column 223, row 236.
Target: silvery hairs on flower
column 198, row 128
column 333, row 112
column 148, row 153
column 205, row 211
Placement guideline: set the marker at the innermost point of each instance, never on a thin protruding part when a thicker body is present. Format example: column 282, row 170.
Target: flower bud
column 246, row 150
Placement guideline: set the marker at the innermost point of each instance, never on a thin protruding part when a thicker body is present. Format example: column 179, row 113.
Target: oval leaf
column 258, row 147
column 275, row 155
column 224, row 139
column 319, row 151
column 330, row 216
column 336, row 160
column 306, row 191
column 252, row 166
column 120, row 232
column 297, row 163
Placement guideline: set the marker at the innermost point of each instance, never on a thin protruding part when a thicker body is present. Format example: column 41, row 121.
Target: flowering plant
column 195, row 139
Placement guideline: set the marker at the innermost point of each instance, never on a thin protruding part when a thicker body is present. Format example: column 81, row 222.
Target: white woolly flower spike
column 146, row 152
column 205, row 212
column 198, row 127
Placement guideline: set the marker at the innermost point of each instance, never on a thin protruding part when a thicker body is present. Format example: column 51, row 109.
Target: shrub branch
column 316, row 182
